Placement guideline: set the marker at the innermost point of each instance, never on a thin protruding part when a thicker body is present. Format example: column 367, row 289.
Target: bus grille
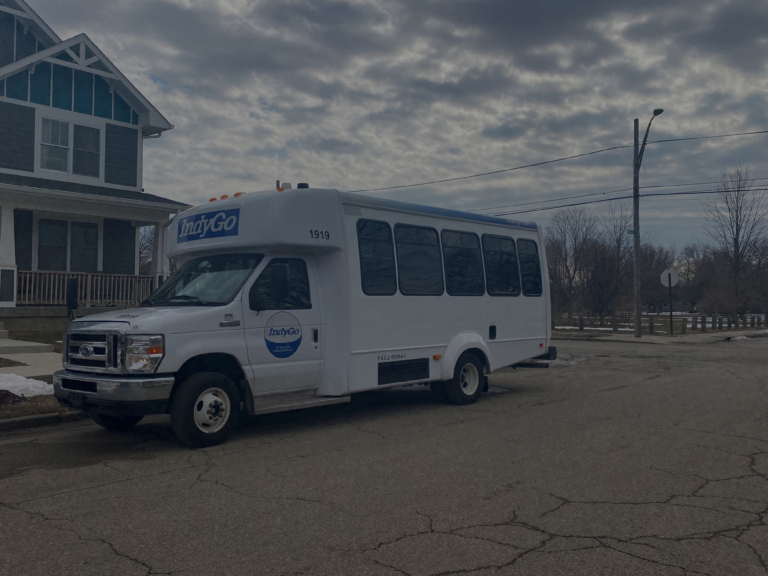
column 98, row 352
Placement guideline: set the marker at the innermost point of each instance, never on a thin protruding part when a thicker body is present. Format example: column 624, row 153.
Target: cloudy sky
column 370, row 94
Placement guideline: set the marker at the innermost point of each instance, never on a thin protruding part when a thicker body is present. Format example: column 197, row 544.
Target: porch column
column 160, row 268
column 7, row 258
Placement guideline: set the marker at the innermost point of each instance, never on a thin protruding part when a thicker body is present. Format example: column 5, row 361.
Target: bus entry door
column 284, row 337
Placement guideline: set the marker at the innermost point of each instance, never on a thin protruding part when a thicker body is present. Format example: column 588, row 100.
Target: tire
column 467, row 383
column 116, row 423
column 205, row 409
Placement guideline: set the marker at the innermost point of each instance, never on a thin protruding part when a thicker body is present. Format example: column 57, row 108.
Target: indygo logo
column 209, row 225
column 282, row 335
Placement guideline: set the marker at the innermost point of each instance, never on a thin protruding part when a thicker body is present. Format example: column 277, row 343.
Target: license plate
column 76, row 401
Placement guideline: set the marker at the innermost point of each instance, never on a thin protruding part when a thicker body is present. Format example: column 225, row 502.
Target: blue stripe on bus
column 445, row 212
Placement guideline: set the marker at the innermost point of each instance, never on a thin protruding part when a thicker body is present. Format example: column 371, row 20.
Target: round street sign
column 668, row 275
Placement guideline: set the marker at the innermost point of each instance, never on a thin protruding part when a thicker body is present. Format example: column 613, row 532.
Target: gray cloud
column 384, row 92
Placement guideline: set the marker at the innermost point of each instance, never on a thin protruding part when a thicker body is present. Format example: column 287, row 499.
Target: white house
column 72, row 128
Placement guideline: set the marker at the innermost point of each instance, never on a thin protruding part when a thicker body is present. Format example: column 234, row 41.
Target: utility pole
column 636, row 231
column 639, row 151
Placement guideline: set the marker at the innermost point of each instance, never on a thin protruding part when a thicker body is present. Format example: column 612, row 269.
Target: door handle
column 315, row 335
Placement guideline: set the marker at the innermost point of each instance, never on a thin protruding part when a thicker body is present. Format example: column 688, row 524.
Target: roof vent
column 302, row 185
column 286, row 186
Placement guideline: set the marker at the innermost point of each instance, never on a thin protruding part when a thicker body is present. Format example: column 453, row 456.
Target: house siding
column 17, row 137
column 121, row 155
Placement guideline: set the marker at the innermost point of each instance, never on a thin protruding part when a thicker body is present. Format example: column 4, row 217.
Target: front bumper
column 116, row 395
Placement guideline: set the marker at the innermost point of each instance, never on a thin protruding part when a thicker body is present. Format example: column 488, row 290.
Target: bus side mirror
column 71, row 297
column 279, row 288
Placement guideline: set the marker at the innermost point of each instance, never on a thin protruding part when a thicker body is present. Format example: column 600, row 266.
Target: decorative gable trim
column 77, row 49
column 21, row 9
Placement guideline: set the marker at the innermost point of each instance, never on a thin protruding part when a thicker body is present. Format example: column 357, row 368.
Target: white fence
column 49, row 289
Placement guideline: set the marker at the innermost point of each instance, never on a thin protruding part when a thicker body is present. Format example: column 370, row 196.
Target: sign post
column 670, row 278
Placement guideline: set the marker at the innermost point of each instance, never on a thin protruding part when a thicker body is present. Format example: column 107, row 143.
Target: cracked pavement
column 624, row 458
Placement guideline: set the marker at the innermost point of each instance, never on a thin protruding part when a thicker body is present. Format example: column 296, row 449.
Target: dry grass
column 5, row 363
column 12, row 406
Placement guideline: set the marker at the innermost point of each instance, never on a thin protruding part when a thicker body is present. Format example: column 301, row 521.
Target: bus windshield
column 207, row 281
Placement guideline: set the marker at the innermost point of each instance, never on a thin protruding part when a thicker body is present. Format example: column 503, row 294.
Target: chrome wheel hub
column 211, row 411
column 469, row 378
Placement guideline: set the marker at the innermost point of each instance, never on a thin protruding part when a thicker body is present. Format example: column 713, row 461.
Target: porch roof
column 27, row 182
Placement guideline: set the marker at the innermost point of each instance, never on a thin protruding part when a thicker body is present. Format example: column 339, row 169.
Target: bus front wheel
column 467, row 383
column 205, row 409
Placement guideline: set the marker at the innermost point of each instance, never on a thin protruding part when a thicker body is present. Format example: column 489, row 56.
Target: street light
column 639, row 151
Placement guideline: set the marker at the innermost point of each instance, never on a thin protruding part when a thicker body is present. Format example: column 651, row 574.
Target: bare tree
column 569, row 235
column 738, row 224
column 146, row 247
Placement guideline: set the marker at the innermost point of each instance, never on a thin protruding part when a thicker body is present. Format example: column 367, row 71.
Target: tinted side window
column 377, row 258
column 529, row 267
column 419, row 265
column 298, row 295
column 501, row 271
column 463, row 264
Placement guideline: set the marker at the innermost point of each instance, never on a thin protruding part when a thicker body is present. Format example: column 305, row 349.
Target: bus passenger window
column 298, row 297
column 377, row 258
column 530, row 267
column 502, row 275
column 419, row 265
column 463, row 264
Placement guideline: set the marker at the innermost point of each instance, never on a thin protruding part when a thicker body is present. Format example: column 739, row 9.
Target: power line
column 599, row 194
column 495, row 171
column 443, row 181
column 686, row 193
column 708, row 137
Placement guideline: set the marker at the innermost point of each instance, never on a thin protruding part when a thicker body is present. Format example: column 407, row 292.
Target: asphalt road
column 627, row 459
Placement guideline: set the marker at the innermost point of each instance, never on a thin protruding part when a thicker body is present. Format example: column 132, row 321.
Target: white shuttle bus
column 294, row 299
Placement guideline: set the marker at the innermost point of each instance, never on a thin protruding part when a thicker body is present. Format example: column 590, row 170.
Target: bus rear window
column 530, row 269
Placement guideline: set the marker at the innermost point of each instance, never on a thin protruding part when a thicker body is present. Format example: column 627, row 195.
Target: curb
column 40, row 420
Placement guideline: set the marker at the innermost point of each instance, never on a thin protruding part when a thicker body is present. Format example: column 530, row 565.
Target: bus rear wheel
column 205, row 409
column 467, row 383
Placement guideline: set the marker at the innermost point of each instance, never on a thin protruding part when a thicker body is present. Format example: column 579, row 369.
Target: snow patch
column 24, row 386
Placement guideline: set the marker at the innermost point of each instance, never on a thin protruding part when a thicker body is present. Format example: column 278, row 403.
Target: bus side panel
column 419, row 326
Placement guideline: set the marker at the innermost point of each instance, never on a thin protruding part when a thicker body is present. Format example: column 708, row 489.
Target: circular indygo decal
column 282, row 335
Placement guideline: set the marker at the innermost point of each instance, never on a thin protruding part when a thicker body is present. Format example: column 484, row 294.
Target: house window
column 55, row 146
column 70, row 148
column 52, row 245
column 84, row 254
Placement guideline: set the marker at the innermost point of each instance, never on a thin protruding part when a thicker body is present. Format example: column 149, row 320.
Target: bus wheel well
column 225, row 364
column 480, row 356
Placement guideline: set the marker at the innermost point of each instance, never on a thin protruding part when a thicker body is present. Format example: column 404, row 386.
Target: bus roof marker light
column 224, row 197
column 212, row 200
column 238, row 194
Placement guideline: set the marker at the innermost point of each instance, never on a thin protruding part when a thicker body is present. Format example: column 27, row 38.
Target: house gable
column 66, row 112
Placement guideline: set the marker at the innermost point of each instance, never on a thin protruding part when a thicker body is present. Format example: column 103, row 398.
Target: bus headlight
column 144, row 352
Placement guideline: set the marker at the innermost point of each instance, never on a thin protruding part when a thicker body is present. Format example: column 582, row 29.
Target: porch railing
column 49, row 289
